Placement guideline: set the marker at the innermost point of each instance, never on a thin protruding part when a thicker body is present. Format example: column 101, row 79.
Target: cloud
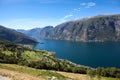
column 66, row 17
column 88, row 5
column 77, row 9
column 83, row 4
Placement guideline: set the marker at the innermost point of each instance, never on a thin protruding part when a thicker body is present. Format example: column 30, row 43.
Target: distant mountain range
column 14, row 36
column 37, row 32
column 97, row 28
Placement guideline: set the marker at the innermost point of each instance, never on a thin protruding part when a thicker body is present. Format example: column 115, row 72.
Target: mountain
column 97, row 28
column 32, row 33
column 45, row 32
column 14, row 36
column 37, row 31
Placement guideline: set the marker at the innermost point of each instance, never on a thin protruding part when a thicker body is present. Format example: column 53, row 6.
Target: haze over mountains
column 97, row 28
column 37, row 31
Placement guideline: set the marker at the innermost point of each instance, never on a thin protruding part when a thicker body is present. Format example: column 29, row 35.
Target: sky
column 28, row 14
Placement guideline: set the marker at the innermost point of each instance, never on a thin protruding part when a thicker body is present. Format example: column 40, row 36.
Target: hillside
column 16, row 72
column 14, row 36
column 41, row 59
column 96, row 28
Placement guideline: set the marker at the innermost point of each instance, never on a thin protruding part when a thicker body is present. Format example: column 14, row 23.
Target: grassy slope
column 25, row 73
column 22, row 73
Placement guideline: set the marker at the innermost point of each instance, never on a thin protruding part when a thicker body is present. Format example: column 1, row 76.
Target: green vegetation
column 108, row 72
column 14, row 36
column 11, row 70
column 41, row 59
column 103, row 72
column 33, row 72
column 91, row 74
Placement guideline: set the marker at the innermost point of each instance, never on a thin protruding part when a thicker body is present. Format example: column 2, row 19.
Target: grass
column 75, row 76
column 33, row 72
column 105, row 78
column 31, row 55
column 27, row 73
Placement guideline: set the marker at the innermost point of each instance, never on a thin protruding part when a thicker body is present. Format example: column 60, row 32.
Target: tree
column 118, row 75
column 98, row 77
column 112, row 72
column 91, row 73
column 75, row 70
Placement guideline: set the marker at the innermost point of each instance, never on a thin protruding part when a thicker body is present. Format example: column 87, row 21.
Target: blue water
column 93, row 54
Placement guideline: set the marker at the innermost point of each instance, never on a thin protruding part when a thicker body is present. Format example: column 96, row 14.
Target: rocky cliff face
column 98, row 28
column 45, row 32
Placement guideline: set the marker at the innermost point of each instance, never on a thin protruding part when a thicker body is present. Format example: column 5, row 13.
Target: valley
column 59, row 39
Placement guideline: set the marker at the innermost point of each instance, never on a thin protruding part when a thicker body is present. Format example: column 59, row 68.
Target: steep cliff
column 98, row 28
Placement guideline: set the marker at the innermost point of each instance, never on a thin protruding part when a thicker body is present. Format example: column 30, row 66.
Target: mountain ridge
column 97, row 28
column 14, row 36
column 35, row 32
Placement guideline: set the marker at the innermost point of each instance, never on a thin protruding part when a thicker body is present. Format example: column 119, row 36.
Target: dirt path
column 74, row 76
column 18, row 76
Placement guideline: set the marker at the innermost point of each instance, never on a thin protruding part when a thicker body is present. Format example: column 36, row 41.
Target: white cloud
column 83, row 4
column 66, row 17
column 88, row 5
column 77, row 9
column 91, row 4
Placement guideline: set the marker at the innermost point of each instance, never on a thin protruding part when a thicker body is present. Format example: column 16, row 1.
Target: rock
column 4, row 78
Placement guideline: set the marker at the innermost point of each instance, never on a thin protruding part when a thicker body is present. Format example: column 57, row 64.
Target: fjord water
column 93, row 54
